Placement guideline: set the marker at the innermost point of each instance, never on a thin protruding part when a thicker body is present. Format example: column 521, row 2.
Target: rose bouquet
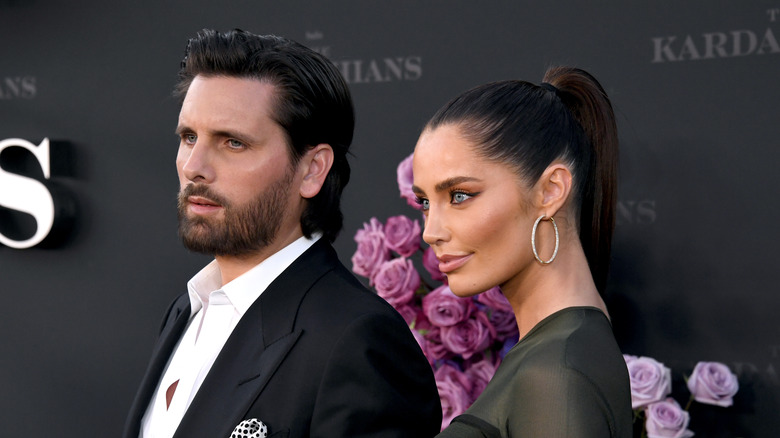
column 464, row 339
column 710, row 383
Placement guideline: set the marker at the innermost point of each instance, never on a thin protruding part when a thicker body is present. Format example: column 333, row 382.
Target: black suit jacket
column 316, row 355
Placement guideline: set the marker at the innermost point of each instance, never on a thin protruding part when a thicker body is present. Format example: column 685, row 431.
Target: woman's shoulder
column 557, row 332
column 572, row 343
column 569, row 363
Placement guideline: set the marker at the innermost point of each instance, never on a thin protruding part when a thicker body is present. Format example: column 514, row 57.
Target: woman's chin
column 463, row 290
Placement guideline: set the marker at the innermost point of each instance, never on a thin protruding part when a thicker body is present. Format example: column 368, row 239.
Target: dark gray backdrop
column 695, row 86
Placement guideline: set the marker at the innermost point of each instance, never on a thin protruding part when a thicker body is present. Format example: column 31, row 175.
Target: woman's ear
column 315, row 165
column 554, row 188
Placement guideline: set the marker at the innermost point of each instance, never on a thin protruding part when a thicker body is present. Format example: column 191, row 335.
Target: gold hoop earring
column 533, row 239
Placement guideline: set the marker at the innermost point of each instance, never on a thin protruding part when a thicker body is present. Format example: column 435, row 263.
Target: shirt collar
column 244, row 290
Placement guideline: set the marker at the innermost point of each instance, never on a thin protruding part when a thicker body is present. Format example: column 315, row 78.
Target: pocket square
column 252, row 428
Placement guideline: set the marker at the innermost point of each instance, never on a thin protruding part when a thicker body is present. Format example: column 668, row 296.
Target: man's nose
column 196, row 163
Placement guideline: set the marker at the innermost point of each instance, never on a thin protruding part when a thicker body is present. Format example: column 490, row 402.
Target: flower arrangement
column 710, row 383
column 464, row 339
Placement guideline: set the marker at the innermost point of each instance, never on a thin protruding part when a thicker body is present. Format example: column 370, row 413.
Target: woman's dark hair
column 569, row 118
column 313, row 103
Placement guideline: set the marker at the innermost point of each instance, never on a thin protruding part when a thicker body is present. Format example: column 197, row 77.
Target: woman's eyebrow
column 454, row 181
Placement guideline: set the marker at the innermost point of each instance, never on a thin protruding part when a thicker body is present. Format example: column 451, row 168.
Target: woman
column 518, row 186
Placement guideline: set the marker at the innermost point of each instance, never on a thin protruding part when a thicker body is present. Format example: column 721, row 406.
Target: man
column 275, row 336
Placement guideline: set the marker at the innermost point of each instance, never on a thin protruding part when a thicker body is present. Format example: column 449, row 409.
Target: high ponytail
column 528, row 126
column 587, row 101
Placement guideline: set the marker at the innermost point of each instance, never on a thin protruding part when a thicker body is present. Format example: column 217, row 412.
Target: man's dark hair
column 312, row 103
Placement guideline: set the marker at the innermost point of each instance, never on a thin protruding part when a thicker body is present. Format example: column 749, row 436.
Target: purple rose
column 406, row 180
column 396, row 280
column 409, row 312
column 480, row 374
column 450, row 371
column 371, row 252
column 402, row 235
column 495, row 299
column 665, row 419
column 713, row 383
column 431, row 264
column 650, row 380
column 505, row 324
column 454, row 397
column 435, row 349
column 470, row 336
column 443, row 308
column 421, row 323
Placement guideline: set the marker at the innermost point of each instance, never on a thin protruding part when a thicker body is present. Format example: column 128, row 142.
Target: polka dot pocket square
column 252, row 428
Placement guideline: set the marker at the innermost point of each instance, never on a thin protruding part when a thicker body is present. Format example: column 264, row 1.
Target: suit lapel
column 244, row 366
column 176, row 322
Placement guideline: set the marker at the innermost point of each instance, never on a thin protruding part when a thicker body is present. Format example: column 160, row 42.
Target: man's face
column 238, row 190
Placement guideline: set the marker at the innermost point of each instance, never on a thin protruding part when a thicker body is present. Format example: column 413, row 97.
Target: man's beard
column 244, row 229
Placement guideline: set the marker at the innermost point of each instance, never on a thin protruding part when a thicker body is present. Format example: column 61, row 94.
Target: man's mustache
column 204, row 191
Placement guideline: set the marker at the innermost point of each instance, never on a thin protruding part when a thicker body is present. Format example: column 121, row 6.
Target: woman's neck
column 546, row 289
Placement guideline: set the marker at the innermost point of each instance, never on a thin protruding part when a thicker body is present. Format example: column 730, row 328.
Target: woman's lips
column 449, row 263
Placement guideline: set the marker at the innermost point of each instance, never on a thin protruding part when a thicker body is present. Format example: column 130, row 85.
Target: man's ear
column 315, row 165
column 554, row 188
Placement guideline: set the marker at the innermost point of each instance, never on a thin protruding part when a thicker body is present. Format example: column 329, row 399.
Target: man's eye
column 235, row 144
column 190, row 138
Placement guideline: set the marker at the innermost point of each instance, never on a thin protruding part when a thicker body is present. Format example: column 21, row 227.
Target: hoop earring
column 533, row 239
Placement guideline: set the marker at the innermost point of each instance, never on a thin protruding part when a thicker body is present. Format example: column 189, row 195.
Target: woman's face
column 478, row 213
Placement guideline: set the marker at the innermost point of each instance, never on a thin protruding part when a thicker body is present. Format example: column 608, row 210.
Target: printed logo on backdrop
column 33, row 209
column 765, row 371
column 757, row 41
column 638, row 183
column 635, row 212
column 18, row 87
column 370, row 70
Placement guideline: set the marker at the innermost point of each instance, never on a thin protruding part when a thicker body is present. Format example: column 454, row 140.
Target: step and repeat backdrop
column 87, row 120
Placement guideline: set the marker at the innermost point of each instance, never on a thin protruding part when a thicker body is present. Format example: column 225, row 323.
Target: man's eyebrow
column 224, row 133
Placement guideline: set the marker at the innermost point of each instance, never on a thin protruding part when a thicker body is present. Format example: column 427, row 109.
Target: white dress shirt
column 215, row 312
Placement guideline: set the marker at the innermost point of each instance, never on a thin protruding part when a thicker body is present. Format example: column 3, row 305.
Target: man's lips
column 449, row 263
column 199, row 204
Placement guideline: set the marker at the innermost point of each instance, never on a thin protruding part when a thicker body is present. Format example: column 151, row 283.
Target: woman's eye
column 423, row 203
column 459, row 197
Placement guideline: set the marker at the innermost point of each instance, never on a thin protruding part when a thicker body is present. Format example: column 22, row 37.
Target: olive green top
column 565, row 378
